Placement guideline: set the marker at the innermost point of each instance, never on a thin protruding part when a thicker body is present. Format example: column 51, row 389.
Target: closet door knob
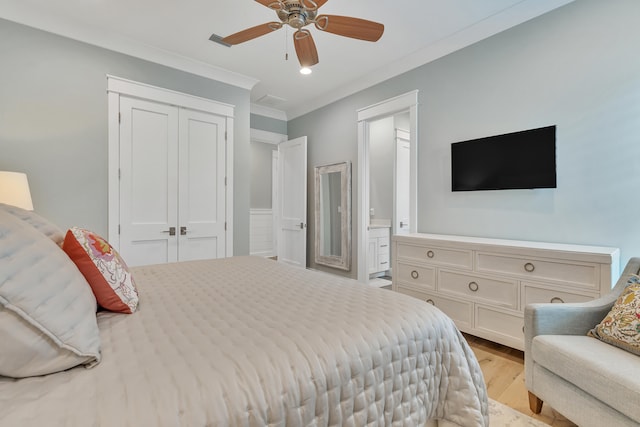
column 430, row 254
column 556, row 300
column 473, row 287
column 171, row 231
column 414, row 274
column 430, row 301
column 528, row 267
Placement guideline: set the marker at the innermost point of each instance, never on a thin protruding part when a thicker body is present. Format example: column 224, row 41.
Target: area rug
column 502, row 416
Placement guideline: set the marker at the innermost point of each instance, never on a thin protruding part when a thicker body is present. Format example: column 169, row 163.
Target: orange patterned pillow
column 104, row 269
column 621, row 327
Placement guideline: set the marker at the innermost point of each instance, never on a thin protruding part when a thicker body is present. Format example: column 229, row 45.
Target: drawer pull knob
column 555, row 300
column 414, row 274
column 430, row 301
column 528, row 267
column 430, row 254
column 473, row 287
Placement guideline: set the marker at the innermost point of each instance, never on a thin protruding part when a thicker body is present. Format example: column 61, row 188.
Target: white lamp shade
column 14, row 190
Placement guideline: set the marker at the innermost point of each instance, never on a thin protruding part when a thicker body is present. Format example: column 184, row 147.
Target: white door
column 172, row 183
column 201, row 191
column 402, row 207
column 292, row 202
column 148, row 182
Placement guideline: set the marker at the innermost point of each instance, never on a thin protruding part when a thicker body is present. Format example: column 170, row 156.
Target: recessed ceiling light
column 305, row 70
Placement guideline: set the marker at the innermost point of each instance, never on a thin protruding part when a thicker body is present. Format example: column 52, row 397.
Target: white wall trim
column 40, row 19
column 405, row 102
column 117, row 86
column 257, row 135
column 261, row 232
column 167, row 96
column 261, row 110
column 229, row 201
column 390, row 106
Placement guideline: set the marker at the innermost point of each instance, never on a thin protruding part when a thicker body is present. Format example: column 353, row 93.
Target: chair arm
column 566, row 319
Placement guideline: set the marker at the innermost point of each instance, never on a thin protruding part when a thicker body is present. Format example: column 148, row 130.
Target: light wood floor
column 503, row 370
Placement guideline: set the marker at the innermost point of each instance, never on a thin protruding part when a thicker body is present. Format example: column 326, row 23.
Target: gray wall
column 53, row 123
column 576, row 67
column 261, row 175
column 260, row 161
column 268, row 123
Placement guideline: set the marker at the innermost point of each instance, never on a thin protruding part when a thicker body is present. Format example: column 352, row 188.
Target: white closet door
column 201, row 194
column 148, row 181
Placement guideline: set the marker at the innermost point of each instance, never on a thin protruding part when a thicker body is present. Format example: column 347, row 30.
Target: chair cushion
column 621, row 327
column 606, row 372
column 47, row 310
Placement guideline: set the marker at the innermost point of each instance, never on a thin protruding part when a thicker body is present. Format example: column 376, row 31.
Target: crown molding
column 112, row 41
column 494, row 24
column 261, row 110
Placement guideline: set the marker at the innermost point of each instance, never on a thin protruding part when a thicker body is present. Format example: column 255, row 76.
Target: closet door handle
column 414, row 274
column 473, row 287
column 171, row 231
column 183, row 231
column 556, row 300
column 529, row 267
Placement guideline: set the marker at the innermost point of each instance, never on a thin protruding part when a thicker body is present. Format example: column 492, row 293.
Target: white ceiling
column 176, row 33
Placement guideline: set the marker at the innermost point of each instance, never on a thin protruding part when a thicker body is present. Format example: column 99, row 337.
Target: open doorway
column 387, row 184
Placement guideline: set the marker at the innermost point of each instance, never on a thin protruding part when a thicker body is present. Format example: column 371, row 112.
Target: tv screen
column 518, row 160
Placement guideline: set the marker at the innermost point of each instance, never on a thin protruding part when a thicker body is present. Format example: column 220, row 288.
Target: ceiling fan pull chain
column 286, row 43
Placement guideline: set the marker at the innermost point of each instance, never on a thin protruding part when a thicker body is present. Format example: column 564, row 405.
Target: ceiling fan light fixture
column 305, row 71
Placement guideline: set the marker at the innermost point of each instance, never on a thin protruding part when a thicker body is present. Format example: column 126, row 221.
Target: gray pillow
column 39, row 223
column 47, row 309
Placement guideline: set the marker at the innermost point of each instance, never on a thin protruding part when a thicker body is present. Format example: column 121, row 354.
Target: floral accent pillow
column 621, row 327
column 104, row 269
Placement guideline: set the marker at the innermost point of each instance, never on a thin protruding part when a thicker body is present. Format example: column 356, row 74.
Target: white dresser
column 484, row 284
column 379, row 259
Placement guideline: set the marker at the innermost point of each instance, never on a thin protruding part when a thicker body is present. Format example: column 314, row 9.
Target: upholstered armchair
column 588, row 381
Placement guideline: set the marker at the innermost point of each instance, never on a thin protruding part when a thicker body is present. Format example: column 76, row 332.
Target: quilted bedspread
column 247, row 341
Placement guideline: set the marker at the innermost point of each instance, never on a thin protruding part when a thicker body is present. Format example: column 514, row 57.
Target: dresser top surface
column 485, row 241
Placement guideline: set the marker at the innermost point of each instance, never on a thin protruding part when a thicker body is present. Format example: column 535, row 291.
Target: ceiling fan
column 300, row 13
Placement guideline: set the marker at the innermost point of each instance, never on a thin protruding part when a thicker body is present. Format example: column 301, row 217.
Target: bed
column 246, row 341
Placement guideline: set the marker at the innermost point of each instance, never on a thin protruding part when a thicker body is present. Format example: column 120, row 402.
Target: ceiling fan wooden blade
column 308, row 4
column 252, row 33
column 347, row 26
column 305, row 48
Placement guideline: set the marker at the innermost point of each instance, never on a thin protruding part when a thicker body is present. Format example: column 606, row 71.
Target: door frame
column 273, row 138
column 117, row 86
column 388, row 107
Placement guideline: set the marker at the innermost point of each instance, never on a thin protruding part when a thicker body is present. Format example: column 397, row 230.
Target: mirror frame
column 343, row 261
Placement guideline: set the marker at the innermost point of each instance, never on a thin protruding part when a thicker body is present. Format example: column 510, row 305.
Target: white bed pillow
column 39, row 223
column 47, row 309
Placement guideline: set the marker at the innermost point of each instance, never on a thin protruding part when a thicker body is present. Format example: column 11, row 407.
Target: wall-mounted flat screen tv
column 518, row 160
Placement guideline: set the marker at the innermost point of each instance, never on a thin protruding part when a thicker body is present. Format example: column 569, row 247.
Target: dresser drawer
column 415, row 276
column 436, row 255
column 460, row 311
column 569, row 273
column 491, row 290
column 532, row 293
column 498, row 325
